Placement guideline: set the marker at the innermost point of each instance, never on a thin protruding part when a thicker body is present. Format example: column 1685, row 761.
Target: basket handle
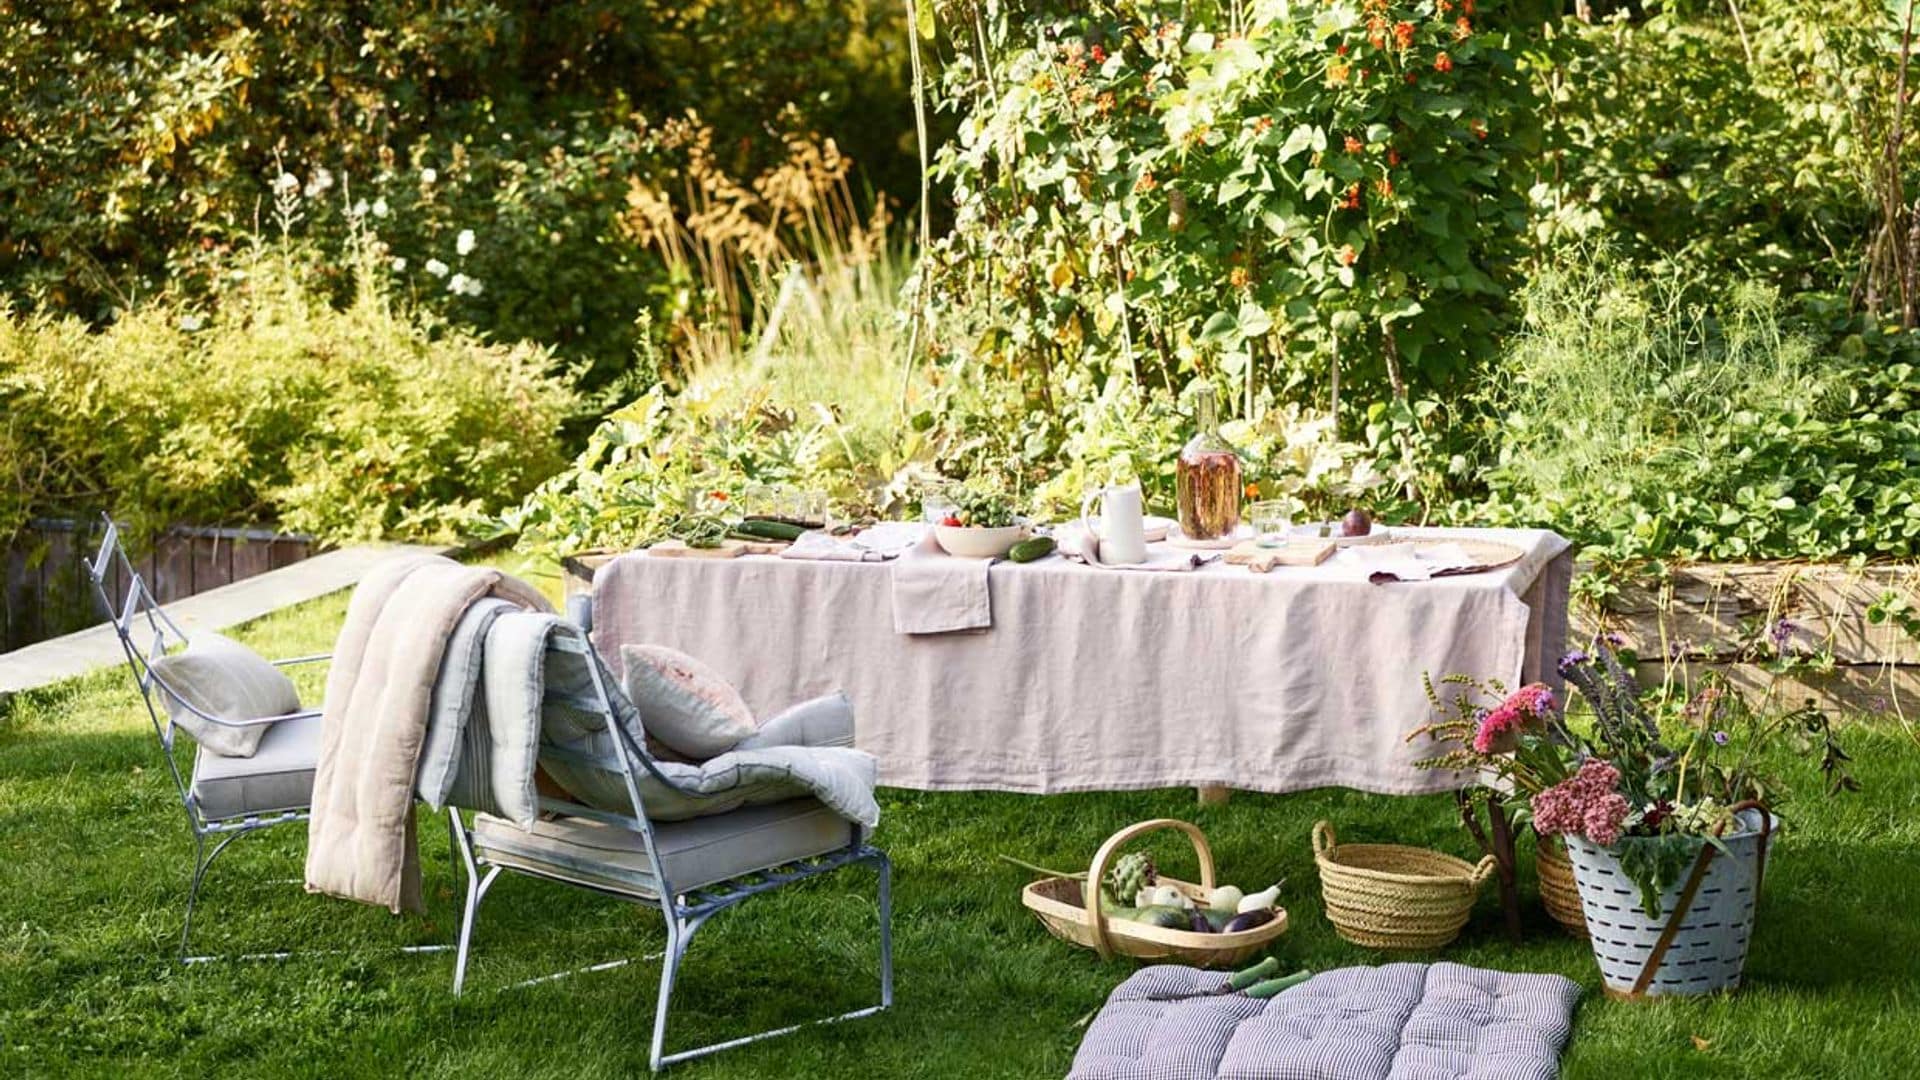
column 1096, row 919
column 1323, row 840
column 1488, row 864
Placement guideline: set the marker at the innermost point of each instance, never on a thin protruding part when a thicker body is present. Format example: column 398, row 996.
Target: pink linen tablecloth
column 1092, row 679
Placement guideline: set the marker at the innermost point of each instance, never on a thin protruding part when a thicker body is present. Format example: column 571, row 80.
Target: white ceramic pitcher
column 1122, row 529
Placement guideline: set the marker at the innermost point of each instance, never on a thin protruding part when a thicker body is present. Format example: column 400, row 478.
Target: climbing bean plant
column 1282, row 196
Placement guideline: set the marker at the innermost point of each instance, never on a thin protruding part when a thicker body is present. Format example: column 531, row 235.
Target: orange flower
column 1354, row 145
column 1252, row 490
column 1262, row 125
column 1443, row 7
column 1347, row 255
column 1353, row 198
column 1443, row 63
column 1466, row 6
column 1337, row 73
column 1377, row 31
column 1393, row 156
column 1462, row 29
column 1146, row 182
column 1383, row 187
column 1239, row 278
column 1403, row 34
column 1478, row 127
column 717, row 496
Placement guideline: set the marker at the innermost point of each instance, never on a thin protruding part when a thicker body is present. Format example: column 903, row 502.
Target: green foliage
column 1736, row 147
column 1644, row 415
column 1248, row 193
column 364, row 421
column 141, row 141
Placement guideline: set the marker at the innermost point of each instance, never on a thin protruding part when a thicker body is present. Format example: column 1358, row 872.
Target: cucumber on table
column 1028, row 550
column 763, row 529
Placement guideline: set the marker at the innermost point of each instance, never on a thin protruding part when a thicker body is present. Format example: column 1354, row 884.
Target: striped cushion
column 1394, row 1022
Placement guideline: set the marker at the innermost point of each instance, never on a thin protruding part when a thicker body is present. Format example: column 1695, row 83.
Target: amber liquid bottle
column 1208, row 477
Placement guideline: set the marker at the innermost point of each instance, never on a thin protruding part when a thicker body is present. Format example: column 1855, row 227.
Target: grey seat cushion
column 279, row 775
column 695, row 853
column 1393, row 1022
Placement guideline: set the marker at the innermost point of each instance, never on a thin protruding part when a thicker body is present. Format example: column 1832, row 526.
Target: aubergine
column 1248, row 920
column 1200, row 923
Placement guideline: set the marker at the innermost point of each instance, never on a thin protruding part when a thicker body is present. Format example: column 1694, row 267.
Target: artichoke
column 1129, row 874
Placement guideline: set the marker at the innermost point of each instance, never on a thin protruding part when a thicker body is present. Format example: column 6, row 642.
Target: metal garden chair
column 225, row 798
column 688, row 870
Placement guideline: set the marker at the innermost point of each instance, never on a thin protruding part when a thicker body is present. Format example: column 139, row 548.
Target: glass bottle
column 1208, row 477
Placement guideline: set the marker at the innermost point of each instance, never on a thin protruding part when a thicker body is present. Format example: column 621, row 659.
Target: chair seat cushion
column 279, row 775
column 694, row 853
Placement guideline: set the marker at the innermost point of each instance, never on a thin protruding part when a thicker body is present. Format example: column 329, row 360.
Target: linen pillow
column 684, row 704
column 225, row 679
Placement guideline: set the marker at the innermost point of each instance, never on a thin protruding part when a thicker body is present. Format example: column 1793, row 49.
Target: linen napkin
column 1406, row 562
column 875, row 544
column 936, row 593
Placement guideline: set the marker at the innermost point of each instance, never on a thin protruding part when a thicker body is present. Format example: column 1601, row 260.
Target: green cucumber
column 1243, row 979
column 762, row 529
column 1271, row 987
column 1038, row 547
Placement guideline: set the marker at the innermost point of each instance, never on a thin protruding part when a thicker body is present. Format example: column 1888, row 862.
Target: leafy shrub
column 1642, row 415
column 1738, row 147
column 365, row 421
column 142, row 140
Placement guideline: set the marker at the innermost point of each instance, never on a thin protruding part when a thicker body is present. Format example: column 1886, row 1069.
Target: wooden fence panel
column 45, row 590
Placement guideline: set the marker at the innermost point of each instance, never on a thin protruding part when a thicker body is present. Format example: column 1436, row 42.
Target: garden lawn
column 94, row 856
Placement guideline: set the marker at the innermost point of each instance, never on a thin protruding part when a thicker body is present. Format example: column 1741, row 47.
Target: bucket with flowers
column 1669, row 830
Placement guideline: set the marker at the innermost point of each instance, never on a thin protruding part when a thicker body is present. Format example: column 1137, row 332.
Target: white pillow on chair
column 225, row 679
column 684, row 704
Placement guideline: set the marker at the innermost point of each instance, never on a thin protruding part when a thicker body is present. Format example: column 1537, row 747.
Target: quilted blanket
column 1393, row 1022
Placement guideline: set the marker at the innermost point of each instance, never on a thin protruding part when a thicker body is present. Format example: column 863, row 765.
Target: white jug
column 1122, row 532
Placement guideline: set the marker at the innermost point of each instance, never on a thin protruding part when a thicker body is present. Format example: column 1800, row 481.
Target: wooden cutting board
column 728, row 549
column 1259, row 559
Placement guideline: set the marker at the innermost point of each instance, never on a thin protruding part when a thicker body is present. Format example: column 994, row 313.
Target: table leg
column 1213, row 794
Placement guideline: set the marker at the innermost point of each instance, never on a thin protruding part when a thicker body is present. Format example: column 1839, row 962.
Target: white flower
column 436, row 268
column 462, row 285
column 285, row 182
column 318, row 185
column 380, row 207
column 464, row 242
column 428, row 176
column 190, row 323
column 360, row 209
column 399, row 264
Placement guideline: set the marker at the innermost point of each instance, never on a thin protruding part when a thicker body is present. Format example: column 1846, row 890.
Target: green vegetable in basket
column 1129, row 874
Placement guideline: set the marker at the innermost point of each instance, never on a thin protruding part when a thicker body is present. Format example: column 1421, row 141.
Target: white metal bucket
column 1708, row 950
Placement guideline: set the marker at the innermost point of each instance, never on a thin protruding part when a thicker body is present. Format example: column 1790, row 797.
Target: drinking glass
column 1271, row 520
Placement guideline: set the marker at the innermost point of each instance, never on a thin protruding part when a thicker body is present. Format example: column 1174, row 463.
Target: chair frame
column 683, row 913
column 139, row 613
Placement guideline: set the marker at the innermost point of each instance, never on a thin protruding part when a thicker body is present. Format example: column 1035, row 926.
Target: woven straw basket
column 1385, row 896
column 1558, row 891
column 1072, row 913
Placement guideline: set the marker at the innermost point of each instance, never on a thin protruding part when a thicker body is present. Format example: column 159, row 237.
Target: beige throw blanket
column 360, row 841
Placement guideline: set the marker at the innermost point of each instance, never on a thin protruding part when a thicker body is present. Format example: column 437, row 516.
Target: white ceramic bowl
column 973, row 542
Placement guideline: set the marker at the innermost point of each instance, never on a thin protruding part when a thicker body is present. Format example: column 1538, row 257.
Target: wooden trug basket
column 1072, row 913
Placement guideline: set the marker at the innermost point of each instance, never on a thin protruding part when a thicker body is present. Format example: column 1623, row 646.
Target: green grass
column 94, row 854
